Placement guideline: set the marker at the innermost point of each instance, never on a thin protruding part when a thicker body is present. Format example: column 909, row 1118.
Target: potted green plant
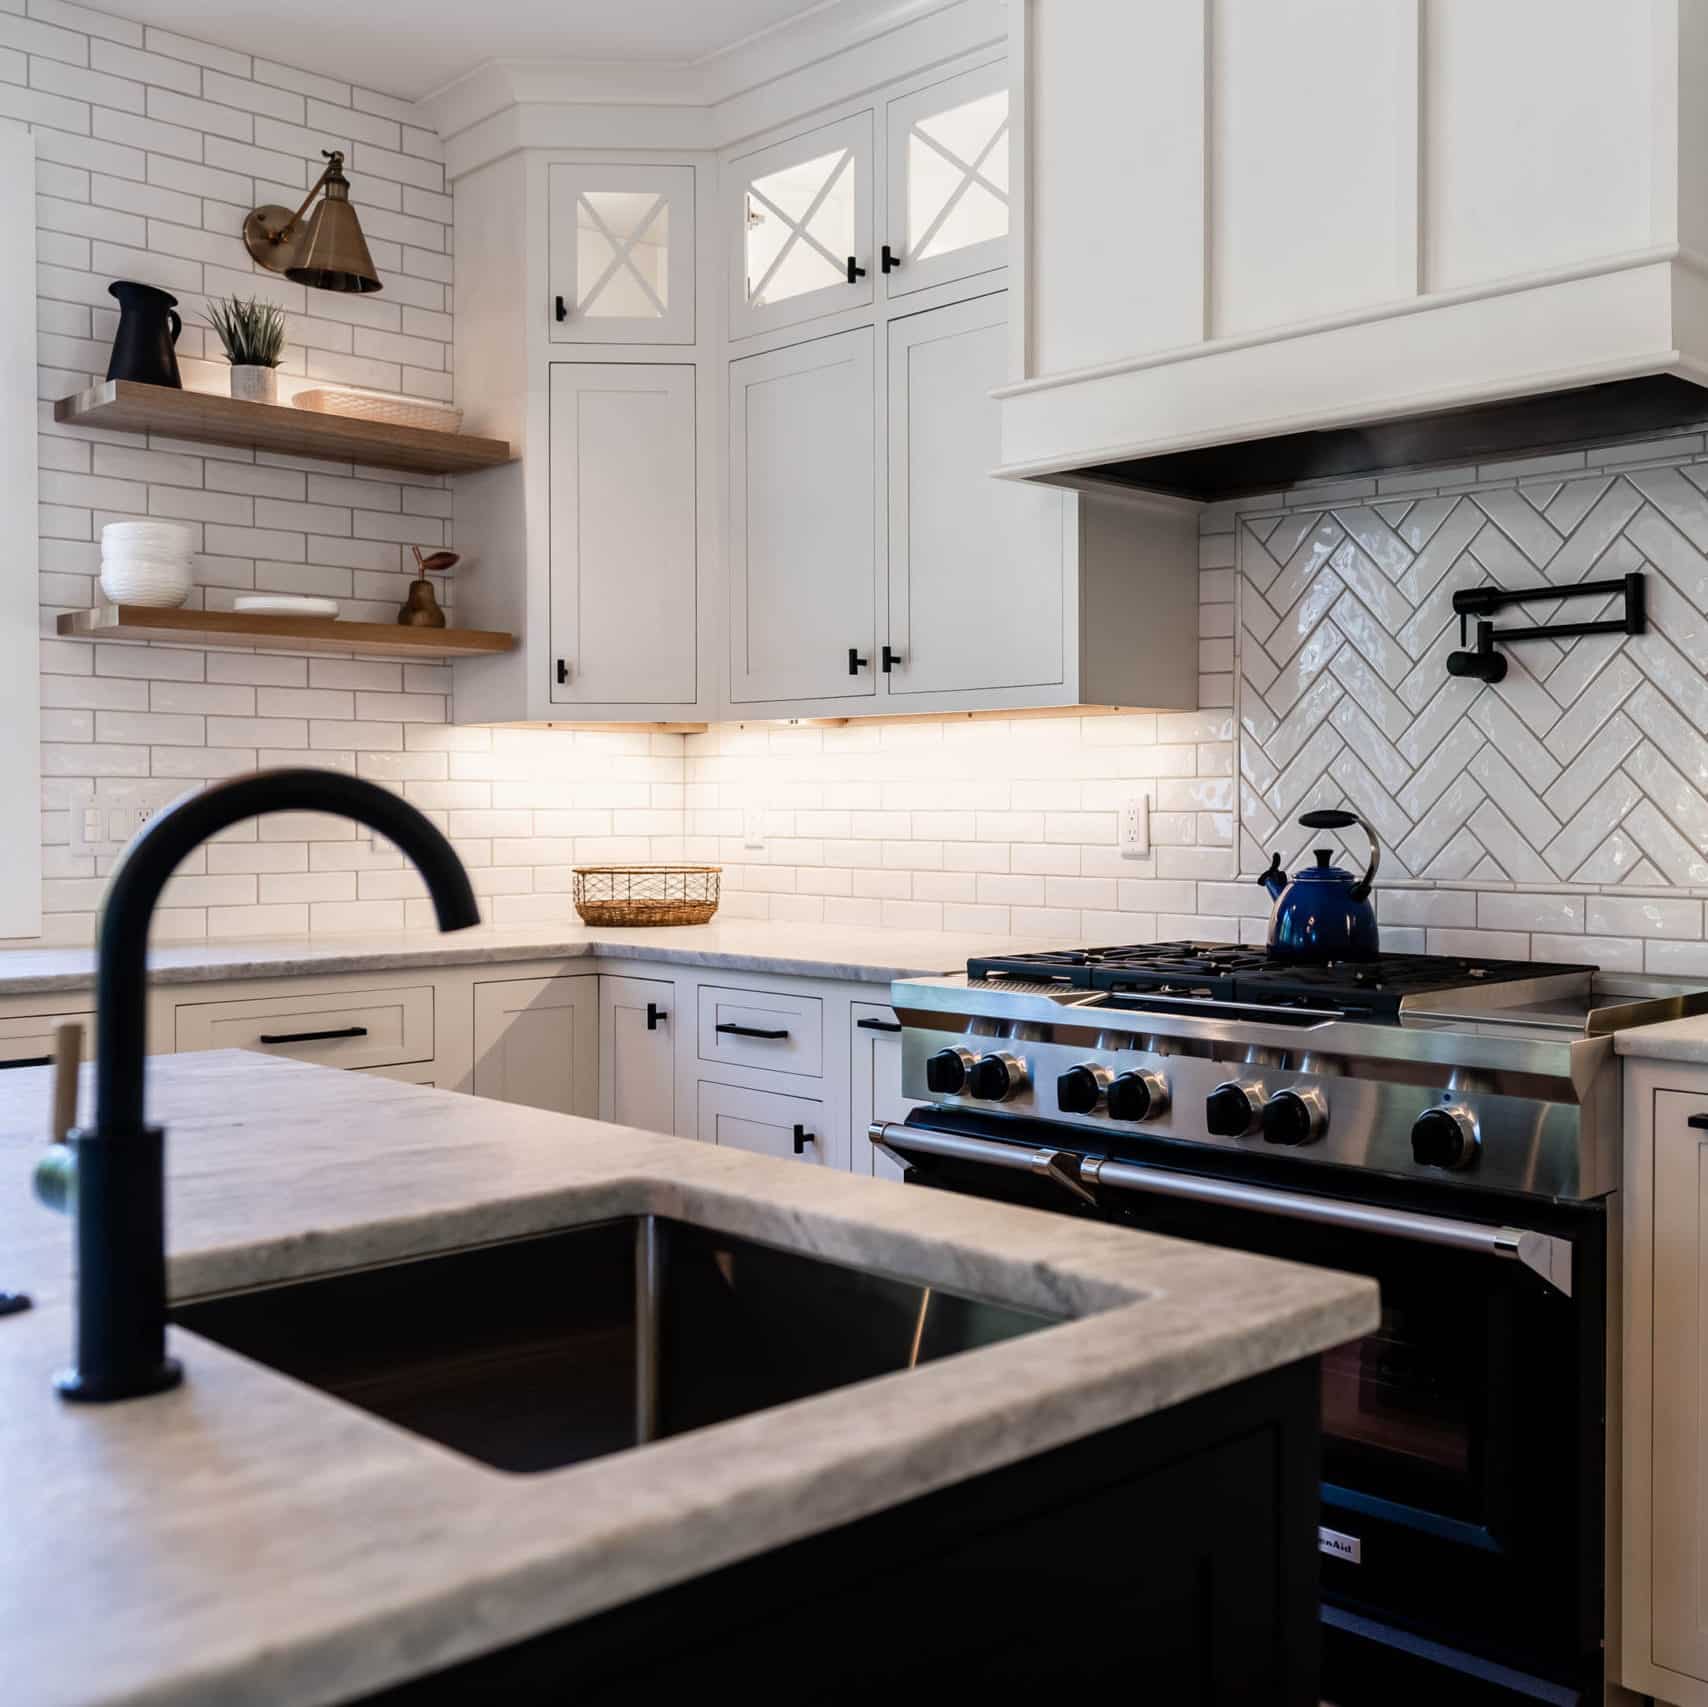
column 253, row 334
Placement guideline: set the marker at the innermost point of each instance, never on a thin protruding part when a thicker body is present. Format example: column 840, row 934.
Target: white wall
column 151, row 150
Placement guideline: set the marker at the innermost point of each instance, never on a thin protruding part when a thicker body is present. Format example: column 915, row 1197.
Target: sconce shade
column 334, row 254
column 329, row 251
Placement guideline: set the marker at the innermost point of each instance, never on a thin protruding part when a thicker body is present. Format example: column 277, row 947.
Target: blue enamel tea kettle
column 1324, row 913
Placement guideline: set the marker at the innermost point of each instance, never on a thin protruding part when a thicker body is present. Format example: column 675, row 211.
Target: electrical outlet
column 752, row 828
column 1134, row 832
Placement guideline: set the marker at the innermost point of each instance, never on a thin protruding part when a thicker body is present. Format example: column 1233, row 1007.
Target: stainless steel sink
column 546, row 1351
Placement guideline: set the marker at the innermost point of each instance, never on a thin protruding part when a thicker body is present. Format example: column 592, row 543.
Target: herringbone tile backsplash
column 1574, row 794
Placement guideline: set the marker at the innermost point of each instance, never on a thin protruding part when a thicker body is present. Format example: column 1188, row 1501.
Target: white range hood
column 1263, row 241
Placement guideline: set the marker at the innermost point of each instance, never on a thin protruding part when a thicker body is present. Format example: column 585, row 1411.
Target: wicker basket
column 392, row 411
column 646, row 894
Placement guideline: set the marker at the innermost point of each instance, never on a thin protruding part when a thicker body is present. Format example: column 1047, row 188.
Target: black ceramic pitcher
column 148, row 329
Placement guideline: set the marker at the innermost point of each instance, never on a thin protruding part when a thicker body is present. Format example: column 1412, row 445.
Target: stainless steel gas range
column 1450, row 1127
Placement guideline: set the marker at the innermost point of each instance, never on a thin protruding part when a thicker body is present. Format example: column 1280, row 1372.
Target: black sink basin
column 546, row 1351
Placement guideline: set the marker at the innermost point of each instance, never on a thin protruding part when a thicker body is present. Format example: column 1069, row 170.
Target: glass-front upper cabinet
column 947, row 206
column 622, row 254
column 800, row 217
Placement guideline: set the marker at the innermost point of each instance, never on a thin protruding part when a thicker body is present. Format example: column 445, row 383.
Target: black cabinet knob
column 1078, row 1091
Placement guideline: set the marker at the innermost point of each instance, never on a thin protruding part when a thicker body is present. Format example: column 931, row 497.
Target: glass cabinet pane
column 622, row 253
column 800, row 227
column 947, row 211
column 957, row 177
column 799, row 212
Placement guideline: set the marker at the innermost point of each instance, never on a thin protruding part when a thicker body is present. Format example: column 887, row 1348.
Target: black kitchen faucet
column 113, row 1174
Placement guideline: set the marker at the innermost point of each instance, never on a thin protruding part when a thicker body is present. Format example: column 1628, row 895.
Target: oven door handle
column 1060, row 1167
column 1543, row 1254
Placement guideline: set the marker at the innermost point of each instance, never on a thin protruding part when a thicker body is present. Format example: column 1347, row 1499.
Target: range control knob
column 1232, row 1110
column 1080, row 1089
column 1138, row 1096
column 1297, row 1116
column 995, row 1078
column 1445, row 1138
column 946, row 1071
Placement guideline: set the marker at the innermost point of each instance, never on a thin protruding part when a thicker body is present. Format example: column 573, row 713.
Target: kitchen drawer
column 343, row 1028
column 758, row 1028
column 29, row 1041
column 410, row 1073
column 767, row 1122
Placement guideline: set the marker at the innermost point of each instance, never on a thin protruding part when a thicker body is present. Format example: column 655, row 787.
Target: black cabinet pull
column 655, row 1016
column 562, row 671
column 888, row 259
column 802, row 1139
column 28, row 1061
column 1699, row 1121
column 878, row 1024
column 855, row 270
column 891, row 659
column 750, row 1031
column 562, row 312
column 312, row 1036
column 855, row 662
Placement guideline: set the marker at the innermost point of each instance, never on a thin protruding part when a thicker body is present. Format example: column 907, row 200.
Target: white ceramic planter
column 255, row 384
column 146, row 563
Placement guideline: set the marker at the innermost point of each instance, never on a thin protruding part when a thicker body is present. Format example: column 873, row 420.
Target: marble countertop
column 245, row 1538
column 861, row 955
column 1671, row 1040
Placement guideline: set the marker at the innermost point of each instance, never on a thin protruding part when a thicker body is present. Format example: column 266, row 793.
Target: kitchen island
column 247, row 1537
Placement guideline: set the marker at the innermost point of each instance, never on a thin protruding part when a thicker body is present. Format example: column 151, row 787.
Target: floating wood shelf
column 124, row 406
column 280, row 633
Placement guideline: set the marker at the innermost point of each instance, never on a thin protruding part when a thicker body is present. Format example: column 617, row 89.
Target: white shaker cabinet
column 536, row 1042
column 1664, row 1635
column 803, row 453
column 798, row 215
column 875, row 1086
column 977, row 567
column 622, row 254
column 624, row 565
column 578, row 342
column 946, row 162
column 637, row 1052
column 768, row 1123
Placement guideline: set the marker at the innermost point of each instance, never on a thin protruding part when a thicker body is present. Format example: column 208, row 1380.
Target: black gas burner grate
column 1232, row 972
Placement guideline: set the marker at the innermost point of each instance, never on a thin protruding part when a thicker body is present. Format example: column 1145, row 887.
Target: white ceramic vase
column 254, row 384
column 146, row 563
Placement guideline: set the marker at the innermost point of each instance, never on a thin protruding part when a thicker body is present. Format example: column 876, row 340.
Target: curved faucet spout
column 119, row 1165
column 120, row 999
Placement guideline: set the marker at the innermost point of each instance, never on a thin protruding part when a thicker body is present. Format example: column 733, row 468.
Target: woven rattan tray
column 646, row 894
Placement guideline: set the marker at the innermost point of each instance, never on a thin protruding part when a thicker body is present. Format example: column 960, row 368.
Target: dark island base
column 1172, row 1560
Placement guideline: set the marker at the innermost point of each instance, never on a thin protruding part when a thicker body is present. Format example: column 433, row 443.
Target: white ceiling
column 412, row 47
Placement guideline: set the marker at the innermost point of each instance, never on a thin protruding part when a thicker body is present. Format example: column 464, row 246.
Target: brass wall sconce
column 329, row 251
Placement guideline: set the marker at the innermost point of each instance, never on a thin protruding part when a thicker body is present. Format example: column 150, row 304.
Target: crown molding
column 832, row 53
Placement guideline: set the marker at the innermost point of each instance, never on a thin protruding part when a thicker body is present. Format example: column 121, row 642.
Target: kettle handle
column 176, row 324
column 1336, row 820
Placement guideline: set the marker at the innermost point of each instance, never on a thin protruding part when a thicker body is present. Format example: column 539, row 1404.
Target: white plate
column 283, row 604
